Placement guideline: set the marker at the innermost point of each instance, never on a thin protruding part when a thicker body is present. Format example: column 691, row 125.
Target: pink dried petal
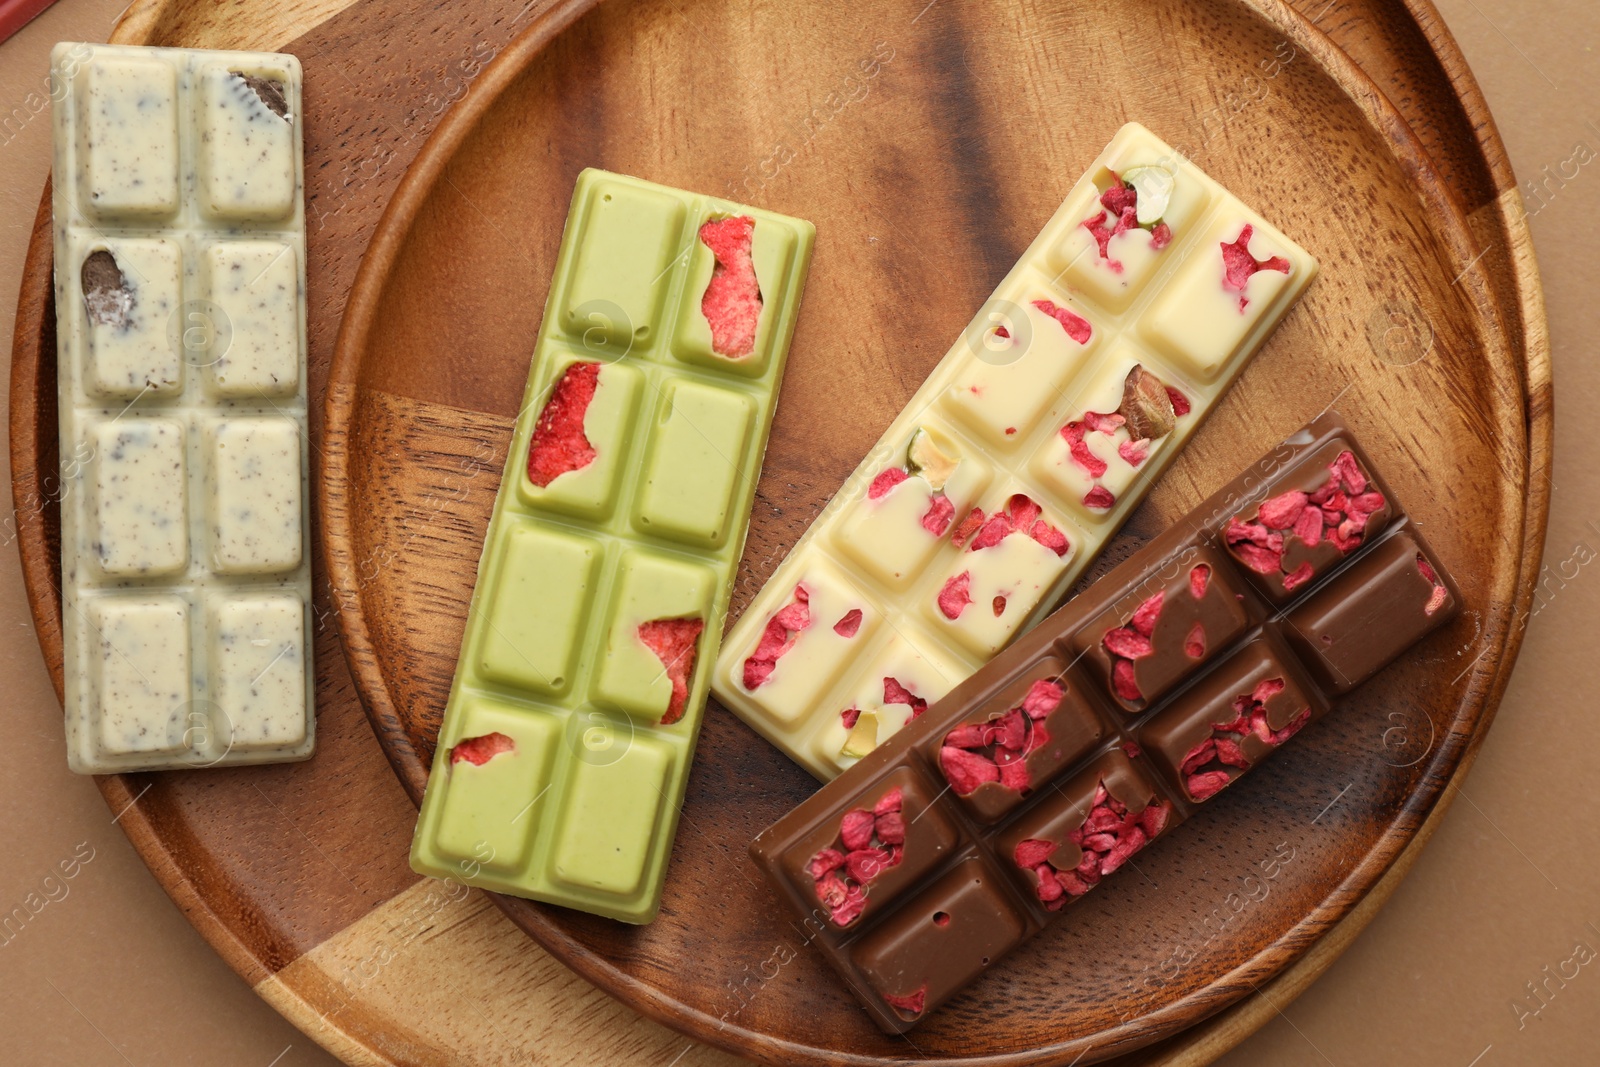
column 1127, row 643
column 1099, row 498
column 1144, row 619
column 1076, row 326
column 966, row 771
column 1281, row 511
column 1124, row 681
column 885, row 481
column 855, row 829
column 955, row 595
column 850, row 624
column 936, row 520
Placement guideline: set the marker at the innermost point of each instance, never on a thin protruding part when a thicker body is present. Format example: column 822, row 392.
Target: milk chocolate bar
column 181, row 369
column 606, row 571
column 1111, row 723
column 1073, row 388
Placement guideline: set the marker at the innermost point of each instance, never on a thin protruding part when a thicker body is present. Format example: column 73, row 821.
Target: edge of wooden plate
column 1284, row 956
column 1200, row 1044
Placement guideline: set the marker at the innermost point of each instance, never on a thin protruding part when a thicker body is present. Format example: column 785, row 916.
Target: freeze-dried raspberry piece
column 850, row 624
column 1049, row 537
column 1238, row 264
column 993, row 532
column 1308, row 527
column 956, row 595
column 895, row 693
column 1109, row 835
column 1043, row 697
column 673, row 641
column 1099, row 497
column 1032, row 852
column 1073, row 433
column 559, row 444
column 1298, row 577
column 1096, row 225
column 1118, row 199
column 782, row 630
column 1194, row 646
column 865, row 864
column 1348, row 473
column 1128, row 643
column 1145, row 617
column 1199, row 577
column 1076, row 326
column 849, row 909
column 1281, row 511
column 1207, row 784
column 1123, row 680
column 1160, row 237
column 891, row 828
column 885, row 481
column 732, row 300
column 910, row 1003
column 936, row 520
column 855, row 829
column 825, row 862
column 969, row 526
column 480, row 750
column 966, row 771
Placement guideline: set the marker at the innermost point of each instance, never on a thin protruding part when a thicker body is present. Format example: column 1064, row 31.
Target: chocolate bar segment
column 1119, row 717
column 577, row 700
column 1041, row 429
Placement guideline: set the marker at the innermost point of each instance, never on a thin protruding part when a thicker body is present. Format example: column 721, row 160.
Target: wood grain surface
column 320, row 911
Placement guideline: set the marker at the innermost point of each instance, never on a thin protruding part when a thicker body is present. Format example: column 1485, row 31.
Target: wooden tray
column 322, row 914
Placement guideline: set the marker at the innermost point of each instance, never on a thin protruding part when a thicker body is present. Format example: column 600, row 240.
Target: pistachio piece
column 1154, row 184
column 924, row 458
column 863, row 737
column 1146, row 405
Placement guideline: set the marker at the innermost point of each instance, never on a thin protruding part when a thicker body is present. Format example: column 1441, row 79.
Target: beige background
column 1508, row 893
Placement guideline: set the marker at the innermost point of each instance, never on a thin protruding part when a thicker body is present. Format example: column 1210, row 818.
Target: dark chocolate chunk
column 269, row 91
column 105, row 291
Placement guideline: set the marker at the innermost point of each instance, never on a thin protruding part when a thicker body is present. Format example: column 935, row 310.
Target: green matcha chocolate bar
column 611, row 553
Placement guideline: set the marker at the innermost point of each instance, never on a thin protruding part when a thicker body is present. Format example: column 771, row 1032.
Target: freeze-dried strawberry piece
column 1127, row 643
column 1229, row 752
column 895, row 693
column 1266, row 689
column 1238, row 264
column 1014, row 776
column 1076, row 326
column 1207, row 784
column 1298, row 577
column 911, row 1003
column 1118, row 199
column 1278, row 737
column 732, row 300
column 956, row 595
column 1199, row 756
column 993, row 532
column 1109, row 835
column 480, row 750
column 1043, row 697
column 1281, row 511
column 885, row 481
column 1099, row 497
column 1131, row 749
column 1261, row 560
column 966, row 771
column 831, row 890
column 968, row 735
column 780, row 634
column 559, row 444
column 850, row 624
column 1160, row 237
column 936, row 520
column 1073, row 433
column 890, row 802
column 891, row 828
column 1032, row 852
column 825, row 862
column 1348, row 473
column 1023, row 511
column 865, row 864
column 848, row 911
column 1154, row 819
column 1308, row 527
column 1194, row 646
column 1049, row 537
column 673, row 641
column 968, row 527
column 1123, row 680
column 1104, row 422
column 1440, row 594
column 1180, row 403
column 1144, row 619
column 1133, row 453
column 855, row 829
column 1096, row 225
column 850, row 716
column 1199, row 578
